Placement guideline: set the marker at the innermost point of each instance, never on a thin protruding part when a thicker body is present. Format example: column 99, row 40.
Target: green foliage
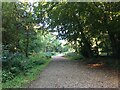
column 91, row 29
column 22, row 65
column 87, row 26
column 24, row 46
column 48, row 54
column 21, row 80
column 7, row 75
column 74, row 56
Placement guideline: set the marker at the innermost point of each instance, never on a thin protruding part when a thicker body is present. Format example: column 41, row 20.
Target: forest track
column 64, row 73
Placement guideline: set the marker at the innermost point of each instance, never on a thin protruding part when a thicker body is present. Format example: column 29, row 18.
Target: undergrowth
column 22, row 70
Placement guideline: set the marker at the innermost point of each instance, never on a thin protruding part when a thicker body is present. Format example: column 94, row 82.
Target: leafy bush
column 71, row 54
column 7, row 75
column 48, row 54
column 17, row 65
column 74, row 56
column 53, row 53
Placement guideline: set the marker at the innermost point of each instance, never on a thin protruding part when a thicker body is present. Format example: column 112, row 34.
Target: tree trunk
column 97, row 52
column 107, row 49
column 86, row 44
column 84, row 39
column 113, row 43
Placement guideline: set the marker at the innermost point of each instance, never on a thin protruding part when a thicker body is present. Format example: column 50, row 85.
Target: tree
column 89, row 25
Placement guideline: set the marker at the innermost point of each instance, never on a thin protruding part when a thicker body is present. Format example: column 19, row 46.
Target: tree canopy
column 92, row 29
column 92, row 26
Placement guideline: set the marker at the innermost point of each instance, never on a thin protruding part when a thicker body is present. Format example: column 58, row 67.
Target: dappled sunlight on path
column 64, row 73
column 59, row 58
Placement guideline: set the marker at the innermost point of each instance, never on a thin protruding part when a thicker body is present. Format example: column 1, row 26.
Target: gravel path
column 63, row 73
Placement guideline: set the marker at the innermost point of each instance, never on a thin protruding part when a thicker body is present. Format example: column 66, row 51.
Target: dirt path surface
column 63, row 73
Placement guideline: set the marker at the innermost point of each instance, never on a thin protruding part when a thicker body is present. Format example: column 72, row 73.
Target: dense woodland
column 92, row 29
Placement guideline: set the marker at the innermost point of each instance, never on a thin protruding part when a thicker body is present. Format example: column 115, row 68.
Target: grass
column 22, row 80
column 73, row 56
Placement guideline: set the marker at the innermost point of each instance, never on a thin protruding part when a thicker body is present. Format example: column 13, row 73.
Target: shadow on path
column 64, row 73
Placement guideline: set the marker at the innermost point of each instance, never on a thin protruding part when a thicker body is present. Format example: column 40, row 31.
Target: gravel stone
column 64, row 73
